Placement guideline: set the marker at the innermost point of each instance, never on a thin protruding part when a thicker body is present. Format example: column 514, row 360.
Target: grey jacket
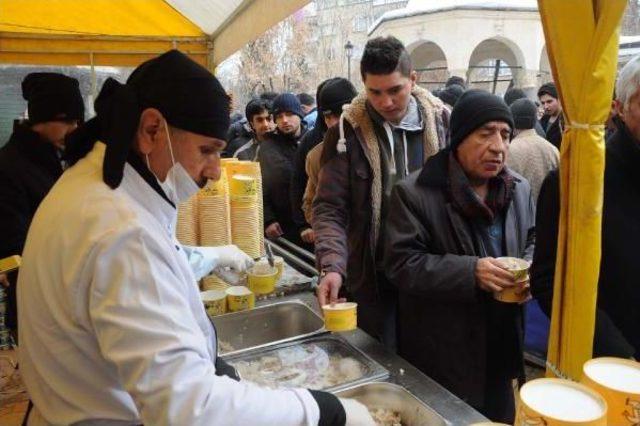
column 431, row 255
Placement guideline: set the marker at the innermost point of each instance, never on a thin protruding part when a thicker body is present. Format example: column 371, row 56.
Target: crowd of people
column 407, row 198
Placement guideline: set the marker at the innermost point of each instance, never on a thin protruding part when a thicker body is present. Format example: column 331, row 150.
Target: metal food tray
column 332, row 344
column 413, row 412
column 267, row 325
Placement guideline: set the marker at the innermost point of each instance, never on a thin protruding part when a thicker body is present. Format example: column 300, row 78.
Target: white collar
column 139, row 190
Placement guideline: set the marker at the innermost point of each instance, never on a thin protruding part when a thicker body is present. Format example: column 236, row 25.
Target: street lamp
column 348, row 47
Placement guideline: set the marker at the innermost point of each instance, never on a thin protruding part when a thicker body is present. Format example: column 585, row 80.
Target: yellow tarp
column 105, row 32
column 582, row 42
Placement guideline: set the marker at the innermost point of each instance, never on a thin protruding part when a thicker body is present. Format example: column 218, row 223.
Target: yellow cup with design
column 215, row 302
column 262, row 280
column 341, row 316
column 558, row 402
column 520, row 270
column 240, row 298
column 618, row 381
column 243, row 186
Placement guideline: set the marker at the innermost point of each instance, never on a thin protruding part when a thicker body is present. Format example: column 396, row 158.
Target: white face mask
column 179, row 186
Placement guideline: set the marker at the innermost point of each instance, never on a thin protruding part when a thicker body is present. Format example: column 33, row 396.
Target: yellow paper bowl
column 519, row 267
column 618, row 381
column 341, row 316
column 215, row 302
column 240, row 298
column 513, row 294
column 558, row 402
column 263, row 284
column 242, row 186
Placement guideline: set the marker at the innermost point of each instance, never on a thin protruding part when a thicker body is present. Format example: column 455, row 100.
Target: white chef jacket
column 111, row 322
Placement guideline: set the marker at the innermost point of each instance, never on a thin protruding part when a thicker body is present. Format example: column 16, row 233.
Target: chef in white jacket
column 112, row 328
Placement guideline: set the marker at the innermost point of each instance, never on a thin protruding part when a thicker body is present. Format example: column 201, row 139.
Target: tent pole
column 211, row 65
column 94, row 82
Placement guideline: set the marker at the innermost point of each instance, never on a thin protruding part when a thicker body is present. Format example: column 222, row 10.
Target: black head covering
column 474, row 109
column 287, row 102
column 513, row 95
column 525, row 114
column 335, row 93
column 188, row 96
column 52, row 97
column 451, row 94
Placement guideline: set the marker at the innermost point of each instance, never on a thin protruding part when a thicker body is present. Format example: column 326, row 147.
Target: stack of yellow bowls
column 245, row 220
column 213, row 282
column 187, row 223
column 214, row 214
column 252, row 169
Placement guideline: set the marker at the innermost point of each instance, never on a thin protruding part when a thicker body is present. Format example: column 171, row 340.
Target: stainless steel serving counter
column 451, row 408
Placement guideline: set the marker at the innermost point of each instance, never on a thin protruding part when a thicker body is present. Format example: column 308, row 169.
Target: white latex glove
column 357, row 413
column 203, row 260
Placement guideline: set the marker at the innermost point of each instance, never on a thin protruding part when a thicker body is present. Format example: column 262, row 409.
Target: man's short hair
column 256, row 107
column 306, row 99
column 548, row 89
column 628, row 81
column 385, row 55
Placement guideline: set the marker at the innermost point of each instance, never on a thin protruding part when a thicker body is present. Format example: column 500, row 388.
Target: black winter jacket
column 29, row 166
column 276, row 158
column 617, row 317
column 431, row 255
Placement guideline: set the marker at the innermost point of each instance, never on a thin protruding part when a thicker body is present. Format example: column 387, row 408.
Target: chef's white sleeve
column 146, row 328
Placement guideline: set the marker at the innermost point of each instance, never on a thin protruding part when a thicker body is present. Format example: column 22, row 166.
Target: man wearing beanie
column 276, row 159
column 30, row 162
column 529, row 154
column 384, row 134
column 450, row 94
column 112, row 326
column 449, row 223
column 339, row 92
column 515, row 93
column 331, row 95
column 552, row 121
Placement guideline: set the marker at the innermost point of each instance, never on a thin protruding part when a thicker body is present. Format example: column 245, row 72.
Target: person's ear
column 150, row 130
column 413, row 76
column 619, row 107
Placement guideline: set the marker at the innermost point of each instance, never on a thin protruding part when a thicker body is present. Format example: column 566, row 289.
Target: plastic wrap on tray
column 321, row 363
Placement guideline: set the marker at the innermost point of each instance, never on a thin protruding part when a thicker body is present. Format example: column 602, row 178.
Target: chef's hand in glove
column 203, row 260
column 234, row 258
column 357, row 413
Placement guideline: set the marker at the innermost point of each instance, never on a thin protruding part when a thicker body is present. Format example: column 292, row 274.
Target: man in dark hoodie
column 276, row 161
column 331, row 95
column 30, row 163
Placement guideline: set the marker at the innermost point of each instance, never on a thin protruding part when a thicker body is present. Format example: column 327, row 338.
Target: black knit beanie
column 52, row 97
column 287, row 102
column 334, row 94
column 524, row 114
column 473, row 109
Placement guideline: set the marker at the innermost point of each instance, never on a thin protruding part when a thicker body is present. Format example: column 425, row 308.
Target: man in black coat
column 448, row 224
column 552, row 121
column 331, row 95
column 31, row 161
column 617, row 316
column 276, row 158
